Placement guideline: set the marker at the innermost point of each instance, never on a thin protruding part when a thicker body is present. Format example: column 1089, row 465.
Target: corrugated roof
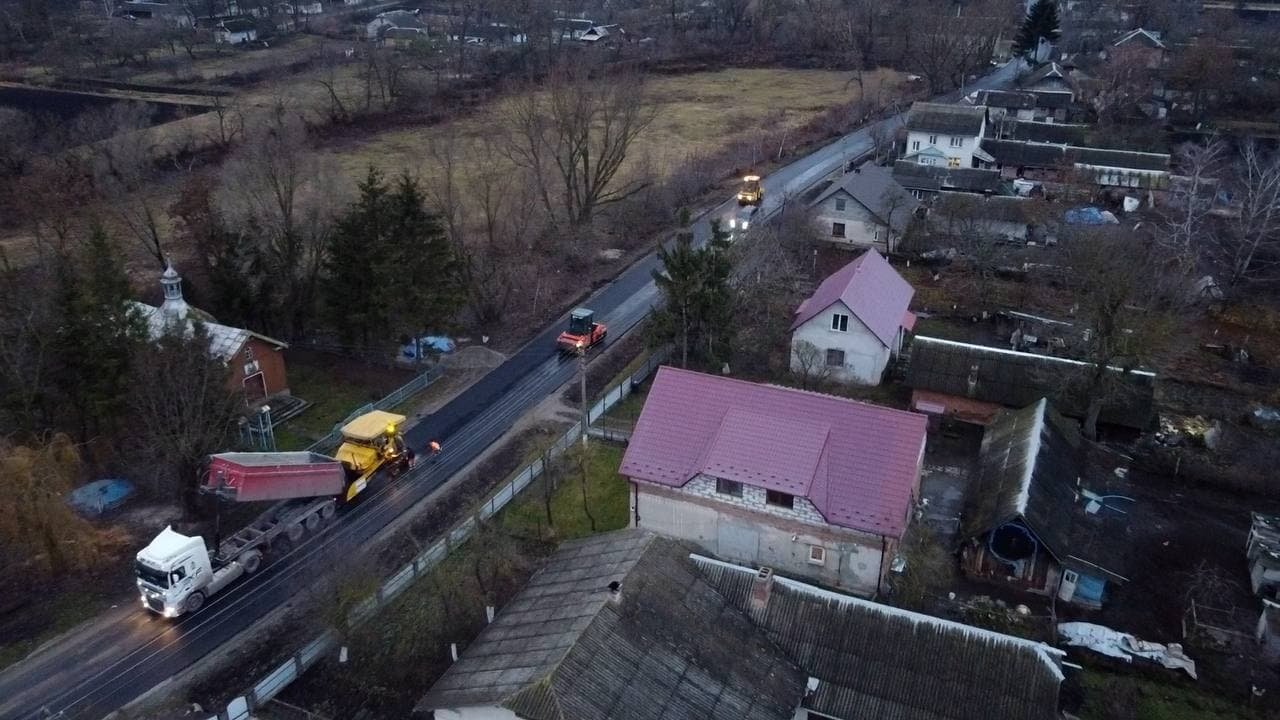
column 872, row 290
column 937, row 177
column 1012, row 100
column 1046, row 155
column 876, row 661
column 947, row 119
column 874, row 188
column 1017, row 379
column 1045, row 132
column 667, row 645
column 1028, row 471
column 863, row 457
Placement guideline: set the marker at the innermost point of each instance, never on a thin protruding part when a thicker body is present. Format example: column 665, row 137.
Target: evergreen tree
column 699, row 297
column 425, row 271
column 356, row 261
column 96, row 330
column 390, row 267
column 1040, row 22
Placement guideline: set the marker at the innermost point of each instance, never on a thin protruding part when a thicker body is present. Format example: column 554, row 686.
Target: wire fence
column 277, row 680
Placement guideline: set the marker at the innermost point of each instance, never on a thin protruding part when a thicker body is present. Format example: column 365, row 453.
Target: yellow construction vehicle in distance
column 370, row 443
column 751, row 192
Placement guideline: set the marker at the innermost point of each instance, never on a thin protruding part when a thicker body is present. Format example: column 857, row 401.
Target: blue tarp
column 100, row 496
column 428, row 343
column 1085, row 216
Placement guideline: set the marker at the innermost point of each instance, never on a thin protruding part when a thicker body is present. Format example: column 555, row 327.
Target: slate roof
column 1028, row 471
column 1045, row 155
column 1050, row 73
column 876, row 661
column 872, row 290
column 224, row 341
column 874, row 188
column 857, row 463
column 946, row 119
column 1142, row 37
column 1045, row 132
column 1011, row 100
column 666, row 646
column 932, row 178
column 1017, row 379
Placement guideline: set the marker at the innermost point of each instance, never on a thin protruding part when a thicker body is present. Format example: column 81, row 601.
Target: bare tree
column 809, row 363
column 274, row 189
column 574, row 138
column 1249, row 246
column 1190, row 199
column 1129, row 304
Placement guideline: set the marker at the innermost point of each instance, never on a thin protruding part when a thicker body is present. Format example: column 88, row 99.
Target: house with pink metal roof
column 854, row 323
column 814, row 486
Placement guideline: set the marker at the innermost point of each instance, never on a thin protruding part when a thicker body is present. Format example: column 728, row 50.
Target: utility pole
column 582, row 389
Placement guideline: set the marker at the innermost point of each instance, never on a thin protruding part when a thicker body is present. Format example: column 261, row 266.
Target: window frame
column 774, row 498
column 835, row 364
column 838, row 230
column 957, row 142
column 839, row 322
column 732, row 488
column 840, row 204
column 933, row 139
column 915, row 144
column 818, row 558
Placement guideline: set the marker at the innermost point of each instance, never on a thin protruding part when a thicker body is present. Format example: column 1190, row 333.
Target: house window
column 837, row 229
column 915, row 144
column 957, row 142
column 817, row 555
column 728, row 487
column 835, row 358
column 926, row 161
column 840, row 204
column 780, row 499
column 917, row 194
column 953, row 162
column 933, row 139
column 840, row 322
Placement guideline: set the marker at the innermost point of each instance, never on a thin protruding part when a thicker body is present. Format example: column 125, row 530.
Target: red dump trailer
column 260, row 476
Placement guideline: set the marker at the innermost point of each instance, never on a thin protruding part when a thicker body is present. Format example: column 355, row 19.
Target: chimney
column 615, row 591
column 761, row 588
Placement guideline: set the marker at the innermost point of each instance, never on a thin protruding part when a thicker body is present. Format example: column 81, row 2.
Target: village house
column 235, row 32
column 1001, row 219
column 812, row 485
column 1142, row 46
column 629, row 625
column 1263, row 553
column 171, row 14
column 854, row 323
column 865, row 208
column 972, row 383
column 946, row 135
column 1049, row 162
column 925, row 182
column 256, row 361
column 1052, row 78
column 1031, row 520
column 1045, row 132
column 377, row 28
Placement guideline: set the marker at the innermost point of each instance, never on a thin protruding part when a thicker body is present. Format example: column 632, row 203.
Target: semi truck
column 177, row 573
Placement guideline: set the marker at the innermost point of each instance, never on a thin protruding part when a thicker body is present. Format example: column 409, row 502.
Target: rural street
column 107, row 665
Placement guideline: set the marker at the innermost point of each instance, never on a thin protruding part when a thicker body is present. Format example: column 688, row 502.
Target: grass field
column 1109, row 696
column 699, row 112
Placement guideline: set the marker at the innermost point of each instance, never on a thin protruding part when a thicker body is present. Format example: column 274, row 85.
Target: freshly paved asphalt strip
column 108, row 666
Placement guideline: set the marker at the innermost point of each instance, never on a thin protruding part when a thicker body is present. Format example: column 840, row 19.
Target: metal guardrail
column 280, row 678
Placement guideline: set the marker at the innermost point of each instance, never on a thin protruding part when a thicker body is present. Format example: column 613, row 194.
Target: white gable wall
column 865, row 357
column 861, row 227
column 961, row 157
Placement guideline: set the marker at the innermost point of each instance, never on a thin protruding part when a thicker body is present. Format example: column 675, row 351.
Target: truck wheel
column 311, row 522
column 194, row 602
column 328, row 511
column 295, row 532
column 250, row 561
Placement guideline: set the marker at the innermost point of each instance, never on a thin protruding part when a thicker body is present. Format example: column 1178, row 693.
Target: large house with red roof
column 854, row 323
column 814, row 486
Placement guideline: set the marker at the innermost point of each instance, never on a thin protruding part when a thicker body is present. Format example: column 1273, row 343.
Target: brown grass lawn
column 699, row 112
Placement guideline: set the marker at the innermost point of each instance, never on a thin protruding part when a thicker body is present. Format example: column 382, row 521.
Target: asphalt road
column 110, row 664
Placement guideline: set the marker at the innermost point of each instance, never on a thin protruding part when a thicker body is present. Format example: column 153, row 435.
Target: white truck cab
column 173, row 572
